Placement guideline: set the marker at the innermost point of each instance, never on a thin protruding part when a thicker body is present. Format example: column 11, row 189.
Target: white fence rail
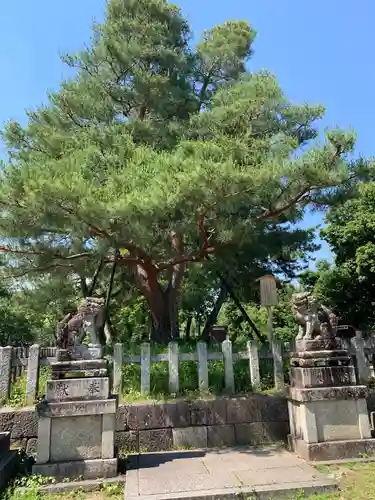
column 202, row 357
column 14, row 361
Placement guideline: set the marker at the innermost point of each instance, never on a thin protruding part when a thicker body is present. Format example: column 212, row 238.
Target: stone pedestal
column 327, row 409
column 77, row 421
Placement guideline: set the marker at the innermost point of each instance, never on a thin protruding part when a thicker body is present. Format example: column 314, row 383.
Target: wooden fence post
column 32, row 378
column 226, row 347
column 362, row 368
column 5, row 371
column 117, row 368
column 278, row 366
column 174, row 381
column 202, row 366
column 252, row 350
column 145, row 367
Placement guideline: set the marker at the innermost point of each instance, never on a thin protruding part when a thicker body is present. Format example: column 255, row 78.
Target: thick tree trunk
column 165, row 319
column 163, row 302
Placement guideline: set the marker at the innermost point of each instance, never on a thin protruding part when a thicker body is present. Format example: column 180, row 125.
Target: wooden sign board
column 268, row 291
column 219, row 333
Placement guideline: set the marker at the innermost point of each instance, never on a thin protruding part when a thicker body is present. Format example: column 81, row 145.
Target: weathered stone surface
column 43, row 451
column 31, row 446
column 83, row 352
column 6, row 419
column 329, row 376
column 311, row 359
column 32, row 376
column 122, row 418
column 317, row 345
column 76, row 438
column 108, row 435
column 194, row 437
column 336, row 420
column 61, row 375
column 327, row 393
column 229, row 474
column 177, row 414
column 85, row 389
column 126, row 442
column 220, row 435
column 338, row 353
column 246, row 434
column 272, row 408
column 333, row 450
column 208, row 412
column 25, row 424
column 76, row 408
column 242, row 410
column 88, row 469
column 78, row 365
column 155, row 440
column 154, row 416
column 139, row 417
column 5, row 370
column 90, row 367
column 275, row 431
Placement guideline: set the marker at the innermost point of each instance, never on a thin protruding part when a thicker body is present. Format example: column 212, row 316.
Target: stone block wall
column 253, row 420
column 201, row 424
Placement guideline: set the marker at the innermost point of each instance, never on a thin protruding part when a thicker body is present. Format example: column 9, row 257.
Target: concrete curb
column 266, row 492
column 342, row 461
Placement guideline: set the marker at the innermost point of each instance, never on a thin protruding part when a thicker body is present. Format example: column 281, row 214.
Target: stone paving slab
column 222, row 474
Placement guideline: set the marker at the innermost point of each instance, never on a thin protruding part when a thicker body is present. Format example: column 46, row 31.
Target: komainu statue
column 314, row 319
column 89, row 318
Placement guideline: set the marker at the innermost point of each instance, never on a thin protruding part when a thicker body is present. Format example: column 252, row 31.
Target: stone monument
column 327, row 408
column 77, row 418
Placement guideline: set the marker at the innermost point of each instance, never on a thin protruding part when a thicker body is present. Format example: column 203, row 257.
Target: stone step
column 222, row 474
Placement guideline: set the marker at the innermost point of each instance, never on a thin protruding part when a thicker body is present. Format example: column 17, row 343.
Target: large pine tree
column 157, row 154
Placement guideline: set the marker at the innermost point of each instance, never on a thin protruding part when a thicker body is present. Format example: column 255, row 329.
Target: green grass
column 131, row 378
column 27, row 489
column 356, row 482
column 17, row 397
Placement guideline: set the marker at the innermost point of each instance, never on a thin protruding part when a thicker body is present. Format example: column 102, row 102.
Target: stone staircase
column 8, row 460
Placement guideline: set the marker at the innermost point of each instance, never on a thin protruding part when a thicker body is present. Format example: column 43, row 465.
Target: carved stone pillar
column 327, row 408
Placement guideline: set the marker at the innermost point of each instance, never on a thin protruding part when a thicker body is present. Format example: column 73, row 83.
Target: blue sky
column 321, row 52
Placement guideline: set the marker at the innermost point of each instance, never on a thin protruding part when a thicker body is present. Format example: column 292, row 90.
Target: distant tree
column 348, row 285
column 15, row 327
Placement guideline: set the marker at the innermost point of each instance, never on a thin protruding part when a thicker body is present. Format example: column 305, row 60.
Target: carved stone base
column 324, row 376
column 73, row 369
column 320, row 417
column 332, row 450
column 318, row 344
column 86, row 469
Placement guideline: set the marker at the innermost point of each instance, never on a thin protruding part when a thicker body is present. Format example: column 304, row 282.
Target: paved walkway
column 221, row 475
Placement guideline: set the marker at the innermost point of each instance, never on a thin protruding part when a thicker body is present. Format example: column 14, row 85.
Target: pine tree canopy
column 156, row 153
